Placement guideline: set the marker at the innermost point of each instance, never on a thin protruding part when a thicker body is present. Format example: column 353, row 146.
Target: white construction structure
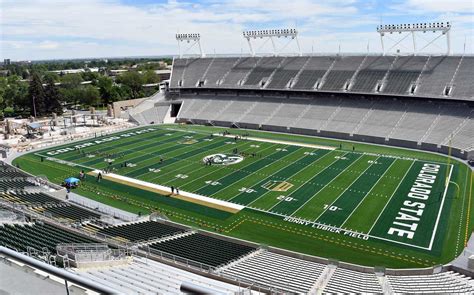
column 270, row 35
column 405, row 30
column 192, row 39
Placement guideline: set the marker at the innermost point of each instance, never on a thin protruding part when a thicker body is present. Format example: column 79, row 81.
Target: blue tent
column 71, row 180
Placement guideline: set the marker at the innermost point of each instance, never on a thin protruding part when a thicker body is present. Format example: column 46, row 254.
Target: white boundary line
column 316, row 224
column 308, row 145
column 433, row 234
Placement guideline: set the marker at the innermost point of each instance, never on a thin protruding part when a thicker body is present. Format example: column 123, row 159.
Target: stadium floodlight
column 270, row 34
column 439, row 27
column 193, row 39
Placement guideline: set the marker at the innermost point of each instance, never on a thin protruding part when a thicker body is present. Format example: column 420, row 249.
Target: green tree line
column 47, row 92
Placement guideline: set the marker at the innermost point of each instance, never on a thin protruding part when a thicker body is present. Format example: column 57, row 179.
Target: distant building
column 6, row 62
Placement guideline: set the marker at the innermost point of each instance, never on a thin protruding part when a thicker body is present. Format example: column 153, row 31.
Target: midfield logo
column 223, row 159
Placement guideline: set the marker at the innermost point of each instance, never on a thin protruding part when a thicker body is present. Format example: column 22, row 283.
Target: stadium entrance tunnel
column 175, row 107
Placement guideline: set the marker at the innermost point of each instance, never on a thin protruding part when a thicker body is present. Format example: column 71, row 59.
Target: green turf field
column 395, row 199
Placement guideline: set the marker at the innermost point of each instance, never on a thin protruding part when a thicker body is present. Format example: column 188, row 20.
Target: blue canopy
column 71, row 180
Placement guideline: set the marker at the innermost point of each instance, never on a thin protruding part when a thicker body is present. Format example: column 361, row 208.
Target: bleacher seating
column 145, row 276
column 442, row 283
column 38, row 236
column 276, row 271
column 342, row 71
column 314, row 71
column 288, row 70
column 429, row 122
column 371, row 73
column 70, row 212
column 203, row 249
column 404, row 75
column 15, row 184
column 260, row 74
column 141, row 231
column 30, row 199
column 348, row 281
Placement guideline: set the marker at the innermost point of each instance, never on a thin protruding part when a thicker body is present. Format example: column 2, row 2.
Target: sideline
column 321, row 147
column 165, row 191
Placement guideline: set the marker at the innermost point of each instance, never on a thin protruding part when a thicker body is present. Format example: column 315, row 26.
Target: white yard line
column 293, row 176
column 315, row 146
column 185, row 166
column 265, row 179
column 312, row 179
column 433, row 234
column 388, row 201
column 381, row 177
column 220, row 168
column 255, row 172
column 316, row 225
column 348, row 187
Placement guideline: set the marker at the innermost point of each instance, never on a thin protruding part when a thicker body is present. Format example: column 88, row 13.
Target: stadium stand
column 403, row 73
column 70, row 212
column 429, row 122
column 141, row 231
column 36, row 235
column 146, row 276
column 372, row 72
column 29, row 199
column 312, row 72
column 203, row 249
column 347, row 281
column 341, row 73
column 429, row 75
column 276, row 271
column 442, row 283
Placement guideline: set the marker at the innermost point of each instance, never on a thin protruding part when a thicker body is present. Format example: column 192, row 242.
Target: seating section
column 341, row 73
column 15, row 184
column 313, row 72
column 437, row 75
column 145, row 276
column 371, row 73
column 203, row 249
column 416, row 121
column 141, row 231
column 276, row 271
column 29, row 199
column 38, row 236
column 286, row 72
column 348, row 281
column 442, row 283
column 71, row 213
column 463, row 82
column 402, row 75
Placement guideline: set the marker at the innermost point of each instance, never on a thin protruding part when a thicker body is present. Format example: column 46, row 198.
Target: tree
column 36, row 96
column 52, row 97
column 106, row 86
column 89, row 95
column 150, row 77
column 134, row 81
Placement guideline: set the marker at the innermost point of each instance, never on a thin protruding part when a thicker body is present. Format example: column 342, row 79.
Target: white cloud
column 38, row 29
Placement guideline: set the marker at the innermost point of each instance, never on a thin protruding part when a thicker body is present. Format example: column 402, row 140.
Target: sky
column 63, row 29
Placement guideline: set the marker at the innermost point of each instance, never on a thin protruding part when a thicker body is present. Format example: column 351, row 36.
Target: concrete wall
column 118, row 106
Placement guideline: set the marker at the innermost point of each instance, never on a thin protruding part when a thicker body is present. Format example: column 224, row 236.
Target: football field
column 399, row 200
